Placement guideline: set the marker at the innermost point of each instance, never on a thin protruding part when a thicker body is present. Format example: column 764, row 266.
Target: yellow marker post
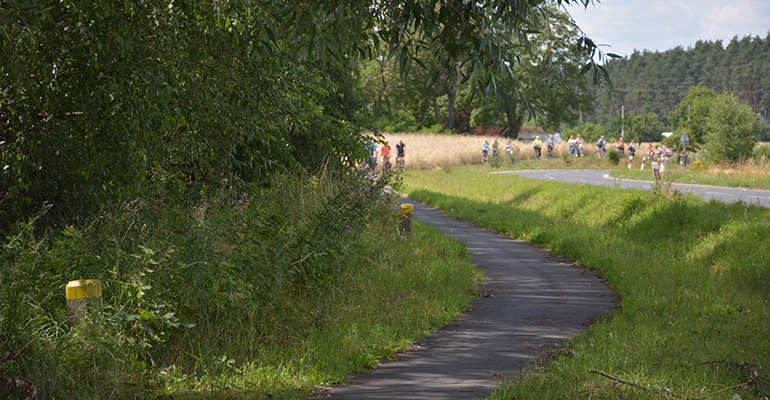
column 82, row 295
column 405, row 226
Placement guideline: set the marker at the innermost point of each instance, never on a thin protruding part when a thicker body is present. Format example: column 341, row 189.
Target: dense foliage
column 245, row 294
column 102, row 101
column 449, row 92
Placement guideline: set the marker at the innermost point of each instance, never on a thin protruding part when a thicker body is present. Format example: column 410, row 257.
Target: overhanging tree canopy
column 102, row 101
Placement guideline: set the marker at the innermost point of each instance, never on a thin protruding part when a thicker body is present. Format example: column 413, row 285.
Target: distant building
column 528, row 133
column 493, row 130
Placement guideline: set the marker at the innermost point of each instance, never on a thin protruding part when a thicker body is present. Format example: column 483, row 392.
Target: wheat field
column 430, row 151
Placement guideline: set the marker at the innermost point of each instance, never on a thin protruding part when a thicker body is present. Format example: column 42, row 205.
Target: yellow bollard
column 407, row 212
column 81, row 295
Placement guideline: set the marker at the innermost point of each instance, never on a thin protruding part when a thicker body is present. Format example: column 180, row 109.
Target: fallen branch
column 615, row 378
column 740, row 386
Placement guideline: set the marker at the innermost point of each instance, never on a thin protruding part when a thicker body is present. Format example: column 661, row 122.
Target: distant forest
column 655, row 82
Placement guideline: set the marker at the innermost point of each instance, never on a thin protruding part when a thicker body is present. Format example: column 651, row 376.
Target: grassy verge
column 272, row 292
column 692, row 276
column 745, row 175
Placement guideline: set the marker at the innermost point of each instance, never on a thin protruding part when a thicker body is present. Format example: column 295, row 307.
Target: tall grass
column 260, row 291
column 692, row 277
column 752, row 173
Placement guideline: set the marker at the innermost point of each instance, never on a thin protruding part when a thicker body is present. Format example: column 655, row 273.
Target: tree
column 643, row 128
column 104, row 101
column 478, row 41
column 590, row 131
column 732, row 129
column 692, row 114
column 657, row 81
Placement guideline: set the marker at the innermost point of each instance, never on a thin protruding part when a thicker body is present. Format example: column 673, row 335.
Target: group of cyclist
column 384, row 155
column 549, row 145
column 495, row 150
column 664, row 154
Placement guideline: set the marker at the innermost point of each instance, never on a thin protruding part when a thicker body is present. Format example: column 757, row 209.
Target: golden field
column 429, row 151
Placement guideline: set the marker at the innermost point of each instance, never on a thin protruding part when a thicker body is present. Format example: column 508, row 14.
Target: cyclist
column 622, row 147
column 632, row 149
column 484, row 151
column 495, row 146
column 579, row 145
column 601, row 145
column 572, row 148
column 400, row 153
column 509, row 148
column 549, row 143
column 538, row 145
column 385, row 152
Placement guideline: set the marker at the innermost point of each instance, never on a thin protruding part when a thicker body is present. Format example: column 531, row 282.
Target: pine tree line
column 657, row 81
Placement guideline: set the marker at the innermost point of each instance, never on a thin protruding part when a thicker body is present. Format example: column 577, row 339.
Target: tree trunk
column 450, row 86
column 384, row 85
column 515, row 119
column 436, row 110
column 450, row 98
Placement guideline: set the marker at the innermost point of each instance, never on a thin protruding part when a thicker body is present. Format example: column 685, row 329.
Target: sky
column 660, row 25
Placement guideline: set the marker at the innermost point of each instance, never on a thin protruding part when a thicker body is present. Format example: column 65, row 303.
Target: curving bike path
column 531, row 301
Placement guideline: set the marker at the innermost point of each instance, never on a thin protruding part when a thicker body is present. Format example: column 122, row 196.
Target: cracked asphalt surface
column 531, row 301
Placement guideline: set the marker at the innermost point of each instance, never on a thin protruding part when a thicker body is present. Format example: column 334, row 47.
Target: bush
column 613, row 156
column 732, row 129
column 181, row 285
column 761, row 153
column 697, row 165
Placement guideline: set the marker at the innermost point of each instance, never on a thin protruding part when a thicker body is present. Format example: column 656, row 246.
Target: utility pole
column 623, row 122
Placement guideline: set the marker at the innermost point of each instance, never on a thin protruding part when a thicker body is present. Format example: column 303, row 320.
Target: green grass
column 273, row 292
column 728, row 177
column 692, row 276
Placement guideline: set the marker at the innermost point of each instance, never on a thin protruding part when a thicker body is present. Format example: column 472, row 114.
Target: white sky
column 660, row 25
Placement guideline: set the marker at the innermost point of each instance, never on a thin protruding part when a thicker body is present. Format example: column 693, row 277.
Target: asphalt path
column 531, row 301
column 594, row 177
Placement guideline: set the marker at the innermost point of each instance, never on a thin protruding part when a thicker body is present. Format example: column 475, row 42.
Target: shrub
column 761, row 153
column 177, row 278
column 732, row 129
column 613, row 156
column 696, row 165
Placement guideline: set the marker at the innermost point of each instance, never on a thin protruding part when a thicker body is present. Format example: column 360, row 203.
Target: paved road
column 593, row 177
column 533, row 300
